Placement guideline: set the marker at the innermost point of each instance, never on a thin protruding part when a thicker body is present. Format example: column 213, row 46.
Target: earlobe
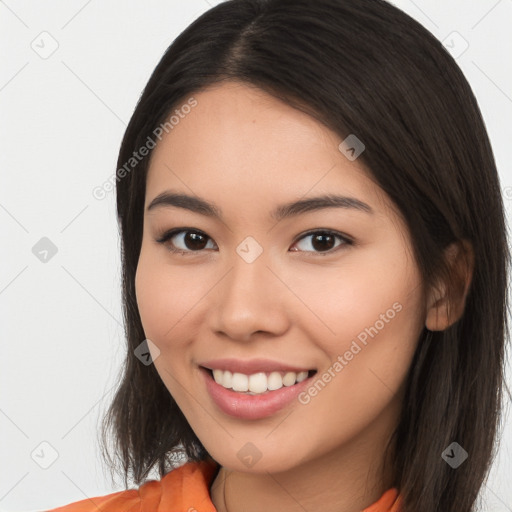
column 447, row 300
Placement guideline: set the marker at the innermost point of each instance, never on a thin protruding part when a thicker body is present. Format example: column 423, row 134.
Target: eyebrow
column 203, row 207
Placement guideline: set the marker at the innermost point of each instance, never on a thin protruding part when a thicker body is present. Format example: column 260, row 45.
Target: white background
column 62, row 120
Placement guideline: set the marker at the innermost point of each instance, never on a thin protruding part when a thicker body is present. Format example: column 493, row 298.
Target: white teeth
column 275, row 381
column 289, row 379
column 257, row 383
column 227, row 379
column 240, row 382
column 302, row 376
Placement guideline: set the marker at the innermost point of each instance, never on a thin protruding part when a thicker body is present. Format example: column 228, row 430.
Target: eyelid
column 347, row 240
column 162, row 239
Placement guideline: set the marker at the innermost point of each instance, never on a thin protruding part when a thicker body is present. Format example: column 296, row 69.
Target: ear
column 446, row 301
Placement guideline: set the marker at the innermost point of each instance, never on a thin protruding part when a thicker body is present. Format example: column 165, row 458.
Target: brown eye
column 194, row 241
column 323, row 241
column 184, row 241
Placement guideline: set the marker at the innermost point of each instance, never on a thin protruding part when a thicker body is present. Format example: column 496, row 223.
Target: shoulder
column 183, row 488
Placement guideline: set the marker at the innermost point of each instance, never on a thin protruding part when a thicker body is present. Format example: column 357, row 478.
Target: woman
column 314, row 269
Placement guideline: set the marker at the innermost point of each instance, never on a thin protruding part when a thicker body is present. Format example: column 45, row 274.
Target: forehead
column 240, row 144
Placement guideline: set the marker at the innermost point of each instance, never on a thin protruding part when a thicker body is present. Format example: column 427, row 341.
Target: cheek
column 165, row 301
column 368, row 312
column 156, row 297
column 347, row 300
column 168, row 299
column 369, row 329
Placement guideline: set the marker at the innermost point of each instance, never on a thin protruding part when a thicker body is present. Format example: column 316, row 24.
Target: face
column 331, row 290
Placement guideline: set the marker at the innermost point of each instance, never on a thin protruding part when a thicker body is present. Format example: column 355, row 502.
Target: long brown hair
column 363, row 67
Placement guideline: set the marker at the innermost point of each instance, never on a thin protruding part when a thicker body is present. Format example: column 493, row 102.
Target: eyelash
column 171, row 233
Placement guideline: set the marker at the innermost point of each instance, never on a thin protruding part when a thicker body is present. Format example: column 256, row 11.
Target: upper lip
column 251, row 366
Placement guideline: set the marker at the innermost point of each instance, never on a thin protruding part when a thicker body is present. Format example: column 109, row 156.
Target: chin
column 249, row 459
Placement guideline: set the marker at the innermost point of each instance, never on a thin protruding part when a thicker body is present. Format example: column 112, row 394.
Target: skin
column 247, row 152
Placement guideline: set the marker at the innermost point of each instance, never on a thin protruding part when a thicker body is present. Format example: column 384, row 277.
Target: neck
column 348, row 479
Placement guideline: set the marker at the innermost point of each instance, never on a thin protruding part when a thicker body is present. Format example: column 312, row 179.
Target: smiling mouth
column 257, row 383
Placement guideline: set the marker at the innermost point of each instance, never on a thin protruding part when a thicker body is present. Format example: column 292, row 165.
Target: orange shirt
column 184, row 489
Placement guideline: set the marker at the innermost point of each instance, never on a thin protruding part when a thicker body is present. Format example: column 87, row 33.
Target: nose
column 251, row 299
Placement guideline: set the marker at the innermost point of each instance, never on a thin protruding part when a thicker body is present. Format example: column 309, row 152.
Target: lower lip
column 252, row 407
